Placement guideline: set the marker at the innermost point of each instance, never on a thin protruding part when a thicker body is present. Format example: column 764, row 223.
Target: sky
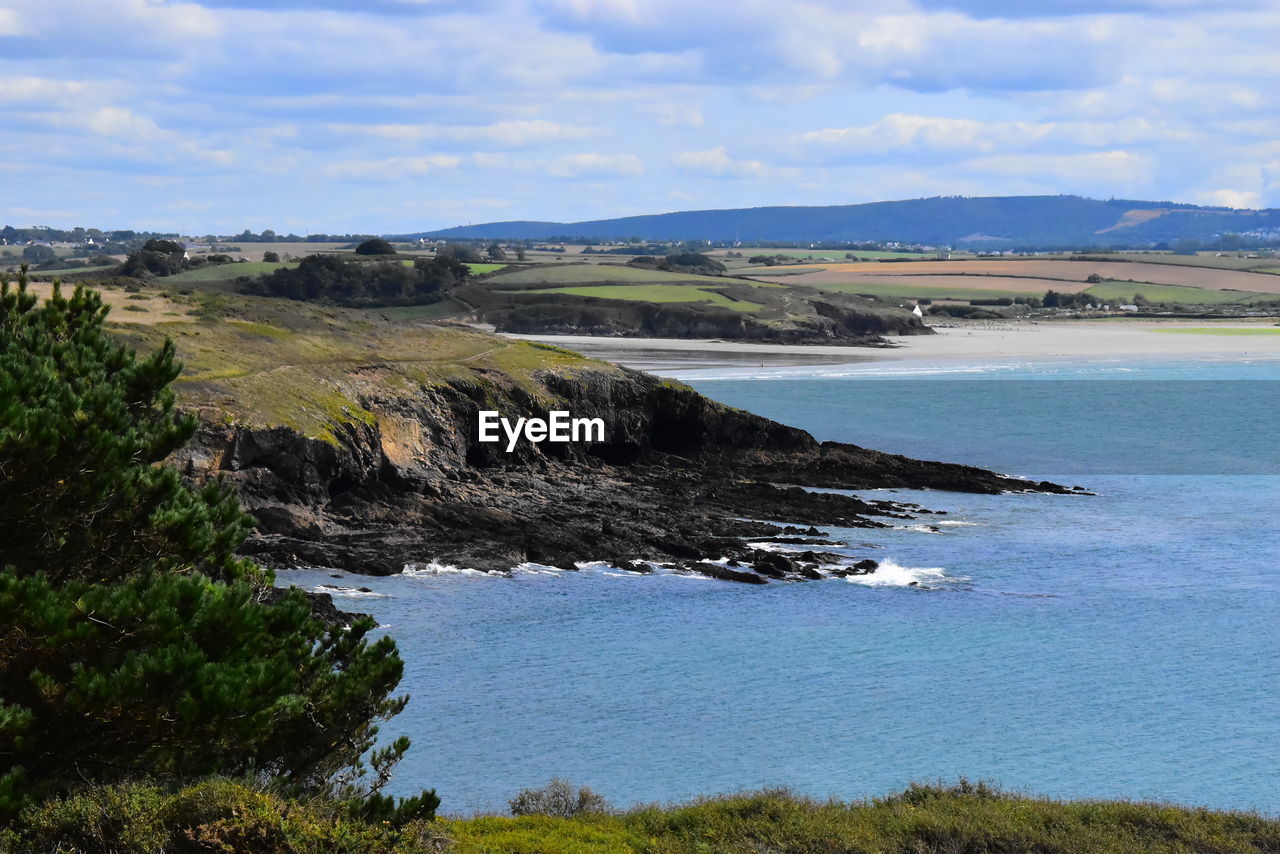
column 393, row 116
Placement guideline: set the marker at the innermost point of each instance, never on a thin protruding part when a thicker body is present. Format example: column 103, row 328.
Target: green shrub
column 215, row 816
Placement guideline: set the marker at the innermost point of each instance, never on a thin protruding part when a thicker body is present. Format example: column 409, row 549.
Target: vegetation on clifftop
column 964, row 819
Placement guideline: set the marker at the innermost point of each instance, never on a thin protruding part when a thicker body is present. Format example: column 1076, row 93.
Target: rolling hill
column 993, row 222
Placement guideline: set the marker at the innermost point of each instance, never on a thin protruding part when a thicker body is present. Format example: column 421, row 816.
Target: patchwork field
column 583, row 274
column 1019, row 275
column 939, row 287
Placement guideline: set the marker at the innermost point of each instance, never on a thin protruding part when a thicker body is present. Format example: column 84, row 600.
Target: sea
column 1124, row 644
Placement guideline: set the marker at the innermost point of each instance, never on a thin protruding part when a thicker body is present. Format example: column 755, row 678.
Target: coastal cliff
column 372, row 464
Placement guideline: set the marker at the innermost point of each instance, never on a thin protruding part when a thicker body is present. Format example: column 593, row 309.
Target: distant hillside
column 1003, row 222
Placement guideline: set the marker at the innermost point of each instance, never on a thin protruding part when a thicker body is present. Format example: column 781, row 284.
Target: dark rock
column 678, row 478
column 773, row 564
column 715, row 570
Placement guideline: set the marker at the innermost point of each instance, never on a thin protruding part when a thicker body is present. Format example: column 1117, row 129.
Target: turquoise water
column 1124, row 644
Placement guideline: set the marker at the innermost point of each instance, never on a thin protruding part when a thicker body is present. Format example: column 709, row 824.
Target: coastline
column 973, row 342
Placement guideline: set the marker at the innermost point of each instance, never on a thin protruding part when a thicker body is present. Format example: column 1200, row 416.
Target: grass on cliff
column 311, row 368
column 231, row 817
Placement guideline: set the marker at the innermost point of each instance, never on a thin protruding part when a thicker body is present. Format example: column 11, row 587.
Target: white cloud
column 1120, row 169
column 590, row 163
column 391, row 168
column 1231, row 198
column 11, row 24
column 513, row 134
column 716, row 161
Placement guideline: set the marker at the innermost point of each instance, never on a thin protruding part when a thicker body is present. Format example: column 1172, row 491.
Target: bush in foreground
column 964, row 819
column 558, row 799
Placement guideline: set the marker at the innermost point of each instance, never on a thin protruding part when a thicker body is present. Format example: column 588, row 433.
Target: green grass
column 1228, row 262
column 655, row 293
column 481, row 269
column 923, row 291
column 226, row 272
column 963, row 819
column 1124, row 291
column 1210, row 330
column 581, row 274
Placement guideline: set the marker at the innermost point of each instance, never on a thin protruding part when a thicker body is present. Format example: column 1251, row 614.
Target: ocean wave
column 891, row 574
column 334, row 590
column 423, row 570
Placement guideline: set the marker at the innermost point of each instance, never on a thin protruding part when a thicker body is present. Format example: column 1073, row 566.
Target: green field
column 575, row 274
column 481, row 269
column 924, row 291
column 63, row 271
column 838, row 254
column 653, row 293
column 1221, row 330
column 1226, row 262
column 226, row 272
column 1180, row 294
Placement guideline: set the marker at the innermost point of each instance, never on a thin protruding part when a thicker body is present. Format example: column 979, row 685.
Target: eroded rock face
column 678, row 478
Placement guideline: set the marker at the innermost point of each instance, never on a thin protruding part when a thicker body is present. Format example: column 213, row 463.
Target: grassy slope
column 273, row 362
column 923, row 819
column 962, row 820
column 655, row 293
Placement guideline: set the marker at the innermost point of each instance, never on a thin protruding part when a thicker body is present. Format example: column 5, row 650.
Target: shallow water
column 1123, row 644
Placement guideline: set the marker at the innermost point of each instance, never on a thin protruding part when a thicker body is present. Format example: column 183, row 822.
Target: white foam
column 768, row 546
column 348, row 591
column 421, row 570
column 956, row 523
column 923, row 529
column 529, row 568
column 890, row 574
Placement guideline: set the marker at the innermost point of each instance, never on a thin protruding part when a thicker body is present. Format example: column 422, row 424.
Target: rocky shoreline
column 679, row 481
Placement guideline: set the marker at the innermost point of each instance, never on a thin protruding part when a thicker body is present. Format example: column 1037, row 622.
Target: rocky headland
column 374, row 464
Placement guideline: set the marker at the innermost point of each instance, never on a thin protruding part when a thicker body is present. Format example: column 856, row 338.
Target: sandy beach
column 976, row 342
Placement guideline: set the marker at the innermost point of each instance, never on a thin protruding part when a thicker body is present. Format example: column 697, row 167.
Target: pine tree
column 133, row 642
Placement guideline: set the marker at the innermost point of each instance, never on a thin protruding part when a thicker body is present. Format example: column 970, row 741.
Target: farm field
column 947, row 287
column 253, row 251
column 1123, row 292
column 227, row 272
column 1001, row 287
column 480, row 269
column 1056, row 274
column 653, row 293
column 581, row 274
column 1225, row 262
column 834, row 254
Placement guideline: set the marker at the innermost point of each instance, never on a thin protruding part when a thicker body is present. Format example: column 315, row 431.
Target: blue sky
column 401, row 115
